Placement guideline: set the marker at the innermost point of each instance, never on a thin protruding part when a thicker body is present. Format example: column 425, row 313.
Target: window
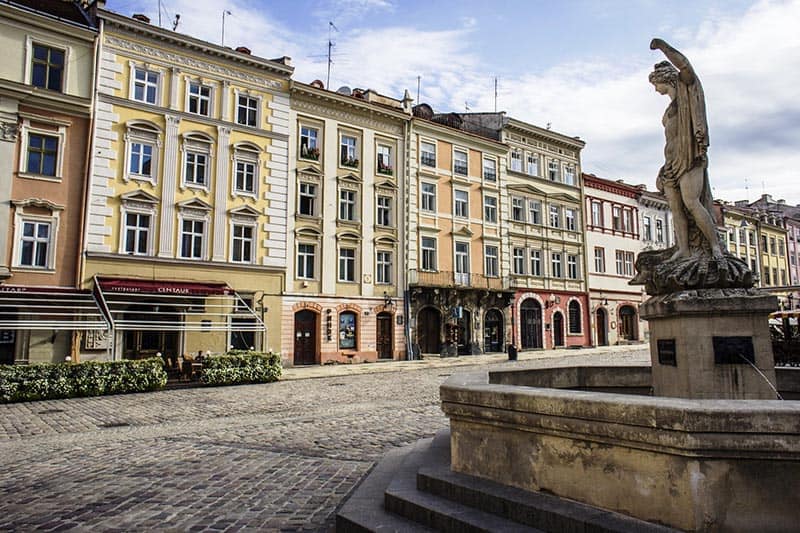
column 462, row 258
column 535, row 212
column 47, row 67
column 305, row 260
column 199, row 99
column 384, row 212
column 384, row 160
column 767, row 281
column 516, row 160
column 307, row 200
column 518, row 260
column 347, row 205
column 532, row 164
column 247, row 110
column 196, row 169
column 616, row 218
column 347, row 330
column 536, row 263
column 555, row 263
column 141, row 160
column 627, row 220
column 428, row 246
column 42, row 155
column 742, row 236
column 459, row 162
column 599, row 259
column 751, row 238
column 245, row 177
column 763, row 243
column 772, row 246
column 781, row 249
column 629, row 263
column 490, row 209
column 572, row 266
column 137, row 233
column 552, row 170
column 597, row 214
column 145, row 86
column 383, row 270
column 647, row 230
column 347, row 264
column 347, row 151
column 753, row 266
column 570, row 219
column 490, row 253
column 574, row 315
column 461, row 208
column 569, row 175
column 783, row 276
column 242, row 243
column 555, row 216
column 309, row 149
column 620, row 255
column 142, row 141
column 192, row 233
column 517, row 209
column 659, row 230
column 428, row 197
column 489, row 169
column 34, row 246
column 427, row 152
column 774, row 275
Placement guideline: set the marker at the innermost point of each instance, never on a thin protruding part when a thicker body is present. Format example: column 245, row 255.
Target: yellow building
column 186, row 221
column 774, row 261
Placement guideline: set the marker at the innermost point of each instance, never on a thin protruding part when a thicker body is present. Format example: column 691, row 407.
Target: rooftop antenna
column 495, row 94
column 331, row 26
column 746, row 191
column 176, row 21
column 225, row 12
column 419, row 79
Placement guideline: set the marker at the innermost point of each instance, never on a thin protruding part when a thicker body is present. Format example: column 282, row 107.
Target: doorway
column 8, row 342
column 531, row 324
column 493, row 331
column 602, row 327
column 627, row 323
column 558, row 329
column 384, row 336
column 429, row 329
column 464, row 332
column 305, row 337
column 142, row 343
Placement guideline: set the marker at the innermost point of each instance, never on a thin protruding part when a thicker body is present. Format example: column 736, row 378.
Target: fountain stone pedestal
column 707, row 344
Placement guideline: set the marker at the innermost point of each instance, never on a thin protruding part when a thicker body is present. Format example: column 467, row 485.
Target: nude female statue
column 684, row 177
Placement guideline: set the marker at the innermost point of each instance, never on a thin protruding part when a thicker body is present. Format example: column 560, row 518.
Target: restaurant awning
column 40, row 308
column 136, row 304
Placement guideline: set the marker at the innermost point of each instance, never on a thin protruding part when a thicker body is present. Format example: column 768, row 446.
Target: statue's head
column 664, row 75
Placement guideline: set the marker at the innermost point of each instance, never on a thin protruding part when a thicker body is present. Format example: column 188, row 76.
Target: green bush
column 23, row 383
column 237, row 367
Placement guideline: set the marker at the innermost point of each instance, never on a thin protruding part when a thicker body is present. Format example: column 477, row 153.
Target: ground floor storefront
column 550, row 319
column 615, row 318
column 326, row 330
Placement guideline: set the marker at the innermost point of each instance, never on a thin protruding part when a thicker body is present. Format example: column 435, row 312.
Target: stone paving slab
column 275, row 457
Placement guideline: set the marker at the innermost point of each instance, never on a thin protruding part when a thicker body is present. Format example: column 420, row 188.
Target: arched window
column 574, row 317
column 347, row 331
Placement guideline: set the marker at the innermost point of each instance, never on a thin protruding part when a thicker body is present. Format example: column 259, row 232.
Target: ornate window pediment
column 140, row 197
column 349, row 178
column 244, row 211
column 463, row 231
column 194, row 206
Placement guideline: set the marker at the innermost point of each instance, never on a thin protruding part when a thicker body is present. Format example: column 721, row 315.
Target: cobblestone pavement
column 276, row 457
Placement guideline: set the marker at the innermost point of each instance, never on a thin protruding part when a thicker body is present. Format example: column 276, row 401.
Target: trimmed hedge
column 238, row 367
column 23, row 383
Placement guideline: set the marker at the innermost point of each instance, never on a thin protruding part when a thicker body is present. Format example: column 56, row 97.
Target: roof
column 65, row 10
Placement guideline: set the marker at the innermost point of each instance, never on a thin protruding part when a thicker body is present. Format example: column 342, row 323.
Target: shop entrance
column 384, row 336
column 627, row 323
column 493, row 331
column 558, row 329
column 602, row 327
column 305, row 338
column 531, row 324
column 429, row 330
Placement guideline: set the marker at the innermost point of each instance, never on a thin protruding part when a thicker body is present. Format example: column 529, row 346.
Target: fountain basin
column 698, row 465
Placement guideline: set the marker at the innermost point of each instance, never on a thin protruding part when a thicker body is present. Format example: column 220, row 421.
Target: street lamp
column 387, row 302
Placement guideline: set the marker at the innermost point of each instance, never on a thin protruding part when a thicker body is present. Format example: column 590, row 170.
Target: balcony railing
column 424, row 278
column 460, row 168
column 429, row 160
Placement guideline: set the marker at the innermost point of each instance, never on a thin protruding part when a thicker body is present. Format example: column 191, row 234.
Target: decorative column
column 169, row 182
column 221, row 188
column 9, row 131
column 175, row 80
column 224, row 100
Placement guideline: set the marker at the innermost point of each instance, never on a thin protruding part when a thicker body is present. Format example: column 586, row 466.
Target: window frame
column 309, row 260
column 59, row 133
column 535, row 212
column 384, row 159
column 515, row 160
column 599, row 260
column 553, row 170
column 157, row 93
column 460, row 205
column 575, row 323
column 52, row 222
column 490, row 211
column 383, row 267
column 428, row 197
column 245, row 155
column 532, row 160
column 347, row 206
column 570, row 219
column 427, row 161
column 313, row 198
column 384, row 214
column 142, row 133
column 32, row 61
column 460, row 167
column 149, row 231
column 491, row 175
column 199, row 98
column 491, row 264
column 238, row 95
column 347, row 265
column 428, row 254
column 183, row 218
column 306, row 139
column 253, row 240
column 573, row 267
column 520, row 207
column 554, row 216
column 518, row 260
column 195, row 145
column 535, row 262
column 348, row 161
column 556, row 265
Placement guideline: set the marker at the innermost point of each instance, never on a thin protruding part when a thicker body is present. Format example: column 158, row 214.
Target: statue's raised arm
column 676, row 58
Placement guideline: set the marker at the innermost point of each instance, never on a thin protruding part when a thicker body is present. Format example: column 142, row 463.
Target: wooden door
column 558, row 329
column 602, row 328
column 305, row 338
column 531, row 324
column 429, row 330
column 627, row 323
column 384, row 336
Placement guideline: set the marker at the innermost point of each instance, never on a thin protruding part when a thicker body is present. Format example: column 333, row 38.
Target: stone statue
column 697, row 260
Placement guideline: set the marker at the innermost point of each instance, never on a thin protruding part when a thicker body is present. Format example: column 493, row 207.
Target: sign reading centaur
column 163, row 287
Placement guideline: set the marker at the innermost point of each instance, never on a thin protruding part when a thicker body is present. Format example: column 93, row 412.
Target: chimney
column 243, row 50
column 141, row 18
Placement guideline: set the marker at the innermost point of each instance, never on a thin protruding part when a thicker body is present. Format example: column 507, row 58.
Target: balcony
column 424, row 278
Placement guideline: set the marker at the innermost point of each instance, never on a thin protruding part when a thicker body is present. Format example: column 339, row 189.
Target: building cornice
column 590, row 181
column 180, row 262
column 457, row 136
column 44, row 21
column 518, row 126
column 348, row 113
column 43, row 98
column 310, row 93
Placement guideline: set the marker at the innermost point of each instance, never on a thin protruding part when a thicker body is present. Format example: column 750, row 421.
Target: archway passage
column 558, row 329
column 531, row 324
column 493, row 331
column 628, row 323
column 384, row 336
column 305, row 337
column 429, row 329
column 602, row 327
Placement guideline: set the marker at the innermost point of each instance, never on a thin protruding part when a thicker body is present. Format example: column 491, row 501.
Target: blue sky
column 579, row 65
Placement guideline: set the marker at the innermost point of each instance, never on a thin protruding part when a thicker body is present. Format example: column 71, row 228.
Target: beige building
column 343, row 299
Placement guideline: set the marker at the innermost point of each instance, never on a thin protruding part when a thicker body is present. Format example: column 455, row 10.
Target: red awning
column 187, row 288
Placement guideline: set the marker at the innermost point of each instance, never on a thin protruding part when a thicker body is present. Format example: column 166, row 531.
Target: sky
column 580, row 66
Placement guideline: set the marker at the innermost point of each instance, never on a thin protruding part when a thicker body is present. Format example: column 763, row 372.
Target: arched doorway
column 558, row 329
column 531, row 324
column 464, row 332
column 429, row 330
column 305, row 337
column 384, row 336
column 602, row 326
column 493, row 331
column 628, row 323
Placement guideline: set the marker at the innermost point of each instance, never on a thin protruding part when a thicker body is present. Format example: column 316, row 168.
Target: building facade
column 613, row 240
column 187, row 212
column 344, row 284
